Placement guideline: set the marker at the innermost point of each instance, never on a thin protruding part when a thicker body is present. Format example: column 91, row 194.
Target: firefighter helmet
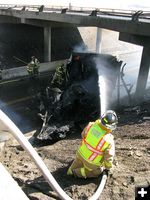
column 109, row 119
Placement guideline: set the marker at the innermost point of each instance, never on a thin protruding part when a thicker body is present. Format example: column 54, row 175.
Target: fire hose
column 22, row 140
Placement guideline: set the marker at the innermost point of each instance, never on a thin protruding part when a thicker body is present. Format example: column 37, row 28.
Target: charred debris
column 72, row 96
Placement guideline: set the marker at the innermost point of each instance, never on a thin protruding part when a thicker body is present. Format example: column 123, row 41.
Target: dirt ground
column 131, row 164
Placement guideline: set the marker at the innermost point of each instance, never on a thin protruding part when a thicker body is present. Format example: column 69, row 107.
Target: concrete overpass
column 134, row 27
column 130, row 22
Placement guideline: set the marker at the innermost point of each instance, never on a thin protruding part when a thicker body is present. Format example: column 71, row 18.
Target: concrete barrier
column 22, row 71
column 9, row 188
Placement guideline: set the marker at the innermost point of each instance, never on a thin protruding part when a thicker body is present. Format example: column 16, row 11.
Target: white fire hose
column 39, row 162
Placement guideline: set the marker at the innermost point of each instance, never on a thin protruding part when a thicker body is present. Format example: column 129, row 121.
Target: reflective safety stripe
column 99, row 148
column 100, row 144
column 94, row 144
column 82, row 170
column 87, row 129
column 92, row 156
column 92, row 149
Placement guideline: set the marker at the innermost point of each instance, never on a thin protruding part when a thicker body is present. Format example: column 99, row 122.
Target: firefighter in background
column 60, row 77
column 33, row 67
column 97, row 149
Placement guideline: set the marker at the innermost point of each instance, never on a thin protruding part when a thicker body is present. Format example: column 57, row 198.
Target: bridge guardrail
column 70, row 8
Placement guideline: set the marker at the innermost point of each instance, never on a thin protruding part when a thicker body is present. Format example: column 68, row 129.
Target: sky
column 122, row 4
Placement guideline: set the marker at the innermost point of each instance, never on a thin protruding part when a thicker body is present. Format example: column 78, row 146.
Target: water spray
column 18, row 135
column 103, row 95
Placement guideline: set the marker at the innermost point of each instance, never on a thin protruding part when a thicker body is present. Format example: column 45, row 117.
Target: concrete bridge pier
column 47, row 44
column 144, row 65
column 143, row 74
column 98, row 40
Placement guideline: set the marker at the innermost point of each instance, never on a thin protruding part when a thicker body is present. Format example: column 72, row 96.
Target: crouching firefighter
column 97, row 149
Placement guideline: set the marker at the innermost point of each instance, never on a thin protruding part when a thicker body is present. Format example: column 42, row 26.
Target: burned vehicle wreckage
column 72, row 97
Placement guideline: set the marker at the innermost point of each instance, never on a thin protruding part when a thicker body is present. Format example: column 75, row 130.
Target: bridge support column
column 47, row 44
column 98, row 40
column 143, row 74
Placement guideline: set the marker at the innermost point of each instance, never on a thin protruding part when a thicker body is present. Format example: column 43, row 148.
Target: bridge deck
column 117, row 20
